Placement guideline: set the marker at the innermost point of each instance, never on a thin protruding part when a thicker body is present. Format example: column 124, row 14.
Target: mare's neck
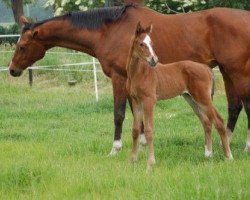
column 62, row 33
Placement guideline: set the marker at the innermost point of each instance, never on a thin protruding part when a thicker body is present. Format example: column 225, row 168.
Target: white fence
column 94, row 64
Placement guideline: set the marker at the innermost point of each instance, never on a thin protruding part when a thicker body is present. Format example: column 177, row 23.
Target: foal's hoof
column 208, row 154
column 133, row 159
column 117, row 146
column 230, row 157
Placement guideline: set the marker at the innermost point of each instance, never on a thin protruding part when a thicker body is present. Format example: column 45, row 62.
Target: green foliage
column 70, row 5
column 11, row 29
column 8, row 2
column 172, row 6
column 163, row 6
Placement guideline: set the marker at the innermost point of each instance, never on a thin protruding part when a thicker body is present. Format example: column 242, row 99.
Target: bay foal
column 147, row 84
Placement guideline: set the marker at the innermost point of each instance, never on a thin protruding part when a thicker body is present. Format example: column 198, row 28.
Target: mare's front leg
column 120, row 98
column 234, row 104
column 246, row 102
column 148, row 114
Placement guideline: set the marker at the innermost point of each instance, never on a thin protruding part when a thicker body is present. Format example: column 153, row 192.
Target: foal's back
column 182, row 77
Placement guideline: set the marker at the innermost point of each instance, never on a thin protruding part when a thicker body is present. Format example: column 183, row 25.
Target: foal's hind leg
column 219, row 125
column 207, row 125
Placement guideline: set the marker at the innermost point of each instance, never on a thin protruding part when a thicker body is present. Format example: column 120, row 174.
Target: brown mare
column 218, row 35
column 147, row 84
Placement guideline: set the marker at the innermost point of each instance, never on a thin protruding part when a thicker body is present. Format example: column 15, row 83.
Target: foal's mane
column 130, row 54
column 90, row 19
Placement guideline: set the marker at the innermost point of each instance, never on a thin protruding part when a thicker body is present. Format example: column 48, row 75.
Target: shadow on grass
column 13, row 137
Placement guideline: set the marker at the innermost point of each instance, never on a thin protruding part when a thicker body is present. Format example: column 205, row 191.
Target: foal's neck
column 135, row 65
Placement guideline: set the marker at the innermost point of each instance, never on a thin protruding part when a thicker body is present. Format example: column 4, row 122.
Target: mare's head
column 29, row 49
column 143, row 45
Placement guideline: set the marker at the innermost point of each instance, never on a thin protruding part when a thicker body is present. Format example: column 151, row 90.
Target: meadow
column 55, row 140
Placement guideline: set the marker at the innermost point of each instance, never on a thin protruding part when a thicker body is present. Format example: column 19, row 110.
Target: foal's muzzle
column 153, row 61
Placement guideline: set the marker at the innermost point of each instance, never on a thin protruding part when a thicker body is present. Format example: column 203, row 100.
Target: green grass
column 55, row 140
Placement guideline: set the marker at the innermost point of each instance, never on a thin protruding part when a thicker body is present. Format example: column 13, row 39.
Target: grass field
column 55, row 140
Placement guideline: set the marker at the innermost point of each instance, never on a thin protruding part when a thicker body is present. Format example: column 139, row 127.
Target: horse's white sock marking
column 143, row 140
column 117, row 146
column 248, row 141
column 208, row 153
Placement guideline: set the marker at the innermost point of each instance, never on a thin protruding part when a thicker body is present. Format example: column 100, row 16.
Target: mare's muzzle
column 14, row 71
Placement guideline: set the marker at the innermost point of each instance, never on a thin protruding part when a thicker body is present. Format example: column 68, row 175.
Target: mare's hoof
column 117, row 146
column 247, row 149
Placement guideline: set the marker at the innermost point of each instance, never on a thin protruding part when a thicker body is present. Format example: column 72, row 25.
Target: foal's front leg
column 137, row 113
column 148, row 113
column 142, row 139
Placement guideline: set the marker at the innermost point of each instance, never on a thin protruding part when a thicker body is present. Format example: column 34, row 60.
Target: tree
column 163, row 6
column 17, row 8
column 63, row 6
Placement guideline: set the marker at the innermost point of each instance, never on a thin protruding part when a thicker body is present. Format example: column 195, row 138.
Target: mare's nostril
column 15, row 73
column 12, row 71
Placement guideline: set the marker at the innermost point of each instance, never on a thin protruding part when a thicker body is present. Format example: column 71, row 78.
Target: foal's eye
column 141, row 44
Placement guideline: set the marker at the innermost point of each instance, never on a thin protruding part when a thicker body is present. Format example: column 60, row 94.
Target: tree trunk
column 17, row 9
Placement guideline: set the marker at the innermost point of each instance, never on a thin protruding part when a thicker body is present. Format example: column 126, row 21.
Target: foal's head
column 143, row 45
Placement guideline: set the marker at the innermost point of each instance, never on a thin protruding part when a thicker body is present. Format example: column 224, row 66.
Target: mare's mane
column 90, row 19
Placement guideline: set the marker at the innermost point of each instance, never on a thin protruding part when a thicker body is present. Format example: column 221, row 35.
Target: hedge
column 7, row 30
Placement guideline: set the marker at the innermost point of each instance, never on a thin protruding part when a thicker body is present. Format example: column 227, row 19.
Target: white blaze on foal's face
column 148, row 42
column 152, row 59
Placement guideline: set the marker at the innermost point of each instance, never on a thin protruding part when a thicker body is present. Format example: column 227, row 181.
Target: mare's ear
column 34, row 33
column 23, row 20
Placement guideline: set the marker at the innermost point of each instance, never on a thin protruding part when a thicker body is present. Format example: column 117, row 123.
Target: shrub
column 8, row 30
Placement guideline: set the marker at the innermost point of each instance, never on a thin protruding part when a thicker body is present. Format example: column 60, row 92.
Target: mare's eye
column 21, row 48
column 141, row 44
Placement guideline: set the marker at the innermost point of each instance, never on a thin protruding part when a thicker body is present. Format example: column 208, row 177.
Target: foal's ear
column 149, row 29
column 139, row 28
column 23, row 20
